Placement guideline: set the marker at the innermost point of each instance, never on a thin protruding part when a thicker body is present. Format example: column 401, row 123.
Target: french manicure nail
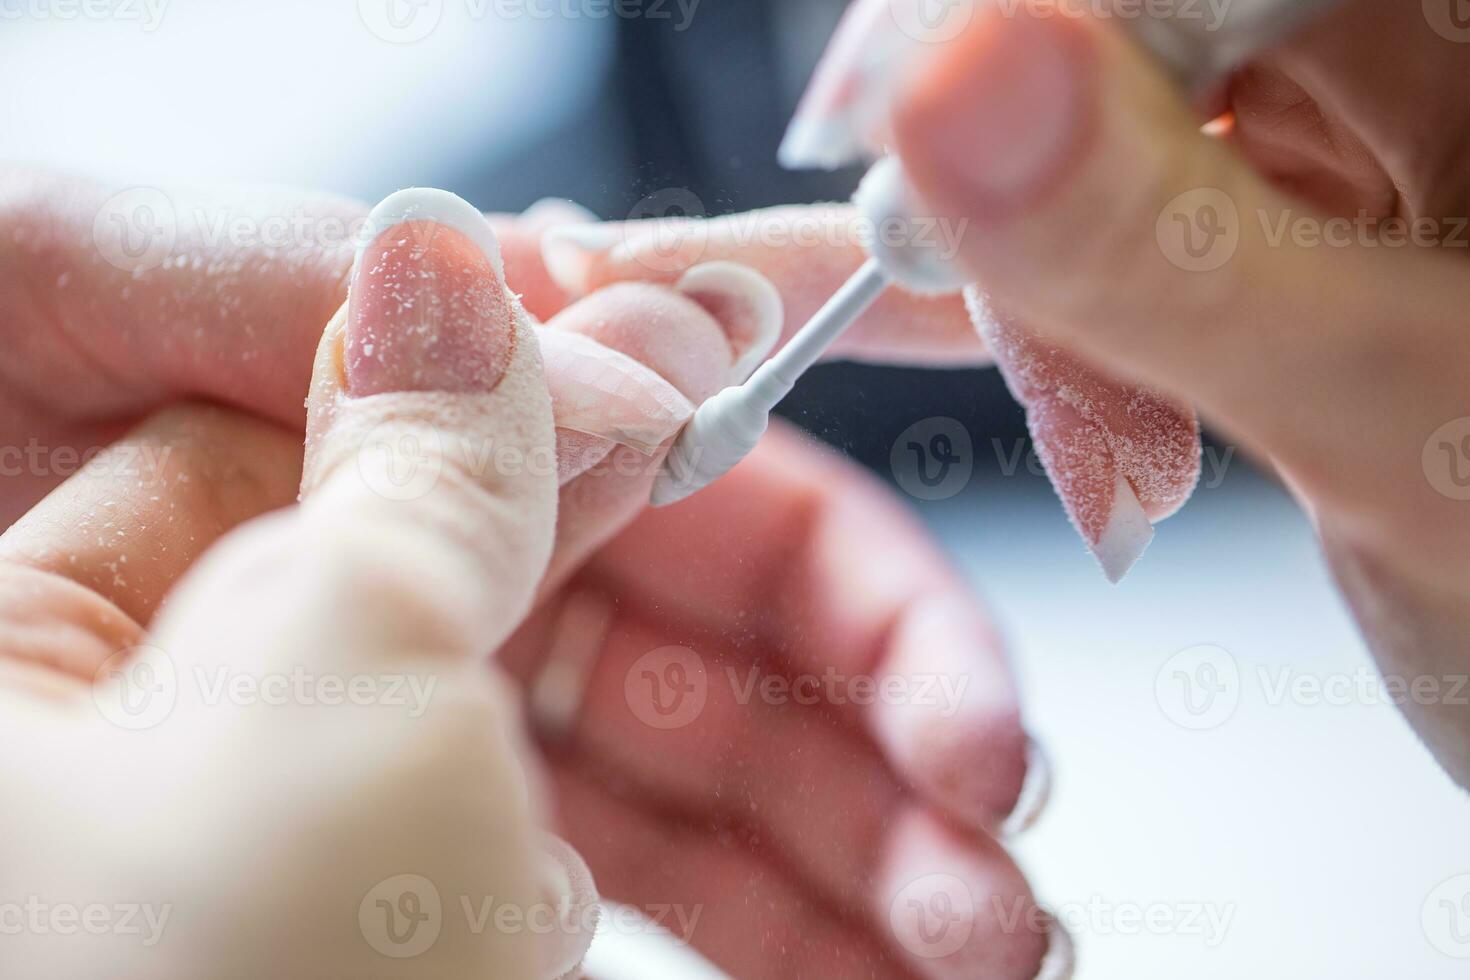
column 427, row 306
column 568, row 252
column 845, row 107
column 1125, row 536
column 745, row 303
column 1035, row 792
column 553, row 212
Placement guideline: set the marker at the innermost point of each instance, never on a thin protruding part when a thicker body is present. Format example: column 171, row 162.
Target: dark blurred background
column 702, row 106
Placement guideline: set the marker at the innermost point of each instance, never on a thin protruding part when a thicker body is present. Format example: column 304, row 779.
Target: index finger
column 805, row 251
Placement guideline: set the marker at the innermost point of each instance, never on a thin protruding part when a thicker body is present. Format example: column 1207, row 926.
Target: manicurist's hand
column 779, row 833
column 1303, row 281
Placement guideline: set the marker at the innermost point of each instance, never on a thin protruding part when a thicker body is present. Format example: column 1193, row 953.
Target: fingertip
column 747, row 306
column 957, row 906
column 959, row 737
column 999, row 113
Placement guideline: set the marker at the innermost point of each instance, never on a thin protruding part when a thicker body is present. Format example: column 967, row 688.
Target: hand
column 301, row 768
column 1105, row 222
column 935, row 783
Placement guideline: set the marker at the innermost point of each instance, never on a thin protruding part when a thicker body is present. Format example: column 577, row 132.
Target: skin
column 1339, row 364
column 210, row 360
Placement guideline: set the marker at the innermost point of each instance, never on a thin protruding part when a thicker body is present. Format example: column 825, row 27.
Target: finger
column 408, row 541
column 130, row 522
column 710, row 729
column 740, row 907
column 1409, row 110
column 780, row 553
column 1120, row 456
column 126, row 298
column 1073, row 158
column 707, row 332
column 520, row 238
column 374, row 578
column 807, row 252
column 85, row 570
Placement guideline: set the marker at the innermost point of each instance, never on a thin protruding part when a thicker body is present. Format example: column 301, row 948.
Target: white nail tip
column 1035, row 792
column 558, row 211
column 439, row 207
column 817, row 143
column 1061, row 958
column 567, row 252
column 744, row 285
column 1127, row 534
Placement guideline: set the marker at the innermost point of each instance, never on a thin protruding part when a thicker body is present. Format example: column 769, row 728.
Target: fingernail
column 966, row 749
column 602, row 392
column 1000, row 112
column 1035, row 791
column 845, row 107
column 745, row 303
column 955, row 904
column 1061, row 957
column 1125, row 536
column 568, row 252
column 427, row 307
column 553, row 212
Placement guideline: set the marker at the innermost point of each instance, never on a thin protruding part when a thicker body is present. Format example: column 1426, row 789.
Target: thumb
column 387, row 769
column 429, row 424
column 1098, row 215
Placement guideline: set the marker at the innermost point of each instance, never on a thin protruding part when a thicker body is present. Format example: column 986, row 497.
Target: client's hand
column 843, row 824
column 301, row 768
